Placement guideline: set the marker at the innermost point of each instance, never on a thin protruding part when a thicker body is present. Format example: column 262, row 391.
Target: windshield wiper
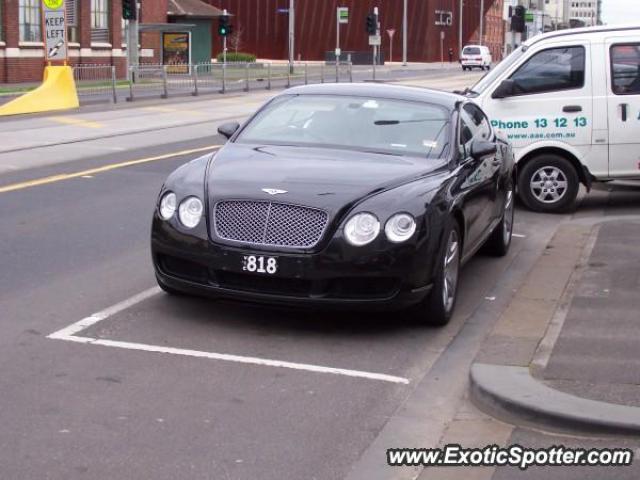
column 398, row 122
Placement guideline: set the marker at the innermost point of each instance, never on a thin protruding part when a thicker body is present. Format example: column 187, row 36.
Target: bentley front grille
column 269, row 223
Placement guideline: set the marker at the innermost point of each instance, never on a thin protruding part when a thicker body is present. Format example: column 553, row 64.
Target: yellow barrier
column 57, row 92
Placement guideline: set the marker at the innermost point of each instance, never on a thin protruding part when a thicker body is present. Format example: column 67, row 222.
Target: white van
column 569, row 102
column 475, row 56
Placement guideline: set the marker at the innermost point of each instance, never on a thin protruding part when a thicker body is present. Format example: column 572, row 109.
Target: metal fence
column 95, row 83
column 171, row 80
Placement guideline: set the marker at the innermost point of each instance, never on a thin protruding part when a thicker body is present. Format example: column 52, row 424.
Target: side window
column 479, row 120
column 625, row 69
column 466, row 135
column 551, row 70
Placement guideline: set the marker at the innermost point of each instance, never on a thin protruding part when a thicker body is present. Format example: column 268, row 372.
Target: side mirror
column 228, row 129
column 505, row 89
column 481, row 149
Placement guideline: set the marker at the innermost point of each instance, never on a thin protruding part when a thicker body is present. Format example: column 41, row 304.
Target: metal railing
column 196, row 79
column 96, row 83
column 99, row 83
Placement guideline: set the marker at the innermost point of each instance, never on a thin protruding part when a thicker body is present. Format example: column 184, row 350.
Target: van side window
column 551, row 70
column 625, row 69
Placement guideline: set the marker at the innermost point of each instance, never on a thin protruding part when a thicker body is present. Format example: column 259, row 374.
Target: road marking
column 104, row 168
column 518, row 235
column 78, row 122
column 70, row 333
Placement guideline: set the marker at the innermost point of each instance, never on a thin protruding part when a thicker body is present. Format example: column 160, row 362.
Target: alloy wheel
column 450, row 271
column 548, row 184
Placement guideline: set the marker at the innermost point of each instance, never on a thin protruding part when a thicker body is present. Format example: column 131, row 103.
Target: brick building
column 96, row 33
column 264, row 26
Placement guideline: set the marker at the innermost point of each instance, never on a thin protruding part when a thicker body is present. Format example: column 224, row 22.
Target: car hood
column 329, row 179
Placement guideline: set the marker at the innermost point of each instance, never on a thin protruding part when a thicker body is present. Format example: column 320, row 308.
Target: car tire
column 437, row 308
column 499, row 241
column 548, row 183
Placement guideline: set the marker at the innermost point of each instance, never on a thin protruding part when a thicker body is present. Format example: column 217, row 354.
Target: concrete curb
column 510, row 391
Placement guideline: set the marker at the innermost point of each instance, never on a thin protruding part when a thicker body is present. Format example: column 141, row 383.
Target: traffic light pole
column 375, row 47
column 404, row 34
column 132, row 45
column 292, row 35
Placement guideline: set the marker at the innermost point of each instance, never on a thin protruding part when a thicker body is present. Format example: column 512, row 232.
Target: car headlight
column 168, row 205
column 400, row 227
column 361, row 229
column 190, row 212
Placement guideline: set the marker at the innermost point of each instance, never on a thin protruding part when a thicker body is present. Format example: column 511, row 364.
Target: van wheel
column 548, row 183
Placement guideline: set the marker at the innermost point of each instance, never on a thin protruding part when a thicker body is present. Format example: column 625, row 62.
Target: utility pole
column 292, row 24
column 460, row 28
column 481, row 21
column 404, row 34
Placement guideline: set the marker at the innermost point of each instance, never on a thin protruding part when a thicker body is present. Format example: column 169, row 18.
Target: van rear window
column 471, row 51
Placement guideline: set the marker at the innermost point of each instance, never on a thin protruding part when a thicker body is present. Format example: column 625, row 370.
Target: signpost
column 342, row 16
column 391, row 32
column 55, row 30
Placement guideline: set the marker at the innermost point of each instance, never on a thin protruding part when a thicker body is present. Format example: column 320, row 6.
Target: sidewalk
column 565, row 355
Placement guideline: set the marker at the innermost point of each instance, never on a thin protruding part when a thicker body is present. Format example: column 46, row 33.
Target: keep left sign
column 55, row 30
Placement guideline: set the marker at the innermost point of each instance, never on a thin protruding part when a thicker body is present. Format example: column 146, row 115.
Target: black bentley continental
column 348, row 196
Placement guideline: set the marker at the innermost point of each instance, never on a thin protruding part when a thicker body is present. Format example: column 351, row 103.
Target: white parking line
column 70, row 332
column 518, row 235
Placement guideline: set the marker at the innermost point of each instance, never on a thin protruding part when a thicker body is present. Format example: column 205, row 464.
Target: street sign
column 338, row 52
column 375, row 40
column 391, row 32
column 444, row 18
column 343, row 15
column 55, row 31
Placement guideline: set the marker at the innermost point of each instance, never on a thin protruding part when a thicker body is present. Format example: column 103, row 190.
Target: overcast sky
column 621, row 11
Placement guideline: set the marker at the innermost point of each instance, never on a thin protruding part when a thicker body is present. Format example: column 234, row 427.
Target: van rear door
column 623, row 106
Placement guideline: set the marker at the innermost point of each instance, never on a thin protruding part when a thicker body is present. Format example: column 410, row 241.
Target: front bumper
column 335, row 277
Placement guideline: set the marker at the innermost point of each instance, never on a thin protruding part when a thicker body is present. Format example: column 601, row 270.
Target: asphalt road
column 139, row 403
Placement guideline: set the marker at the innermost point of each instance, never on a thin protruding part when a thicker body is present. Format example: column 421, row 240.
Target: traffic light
column 518, row 19
column 372, row 21
column 129, row 10
column 224, row 28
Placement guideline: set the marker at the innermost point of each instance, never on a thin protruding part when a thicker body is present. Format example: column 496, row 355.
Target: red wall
column 265, row 30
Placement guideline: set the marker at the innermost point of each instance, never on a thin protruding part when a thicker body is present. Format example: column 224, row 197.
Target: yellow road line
column 104, row 168
column 78, row 122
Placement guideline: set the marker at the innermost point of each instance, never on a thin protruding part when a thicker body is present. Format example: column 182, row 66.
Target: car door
column 623, row 106
column 551, row 100
column 479, row 176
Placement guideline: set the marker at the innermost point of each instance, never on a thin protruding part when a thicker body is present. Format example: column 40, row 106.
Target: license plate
column 260, row 264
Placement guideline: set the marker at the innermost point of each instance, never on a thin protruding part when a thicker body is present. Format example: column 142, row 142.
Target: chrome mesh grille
column 267, row 223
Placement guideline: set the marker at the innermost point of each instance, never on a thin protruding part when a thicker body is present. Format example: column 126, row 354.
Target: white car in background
column 475, row 56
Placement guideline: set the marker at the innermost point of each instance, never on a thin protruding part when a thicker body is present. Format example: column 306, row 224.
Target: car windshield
column 359, row 123
column 471, row 51
column 502, row 67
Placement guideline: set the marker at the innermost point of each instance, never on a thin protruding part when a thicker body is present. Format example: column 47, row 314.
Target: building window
column 72, row 21
column 30, row 21
column 100, row 21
